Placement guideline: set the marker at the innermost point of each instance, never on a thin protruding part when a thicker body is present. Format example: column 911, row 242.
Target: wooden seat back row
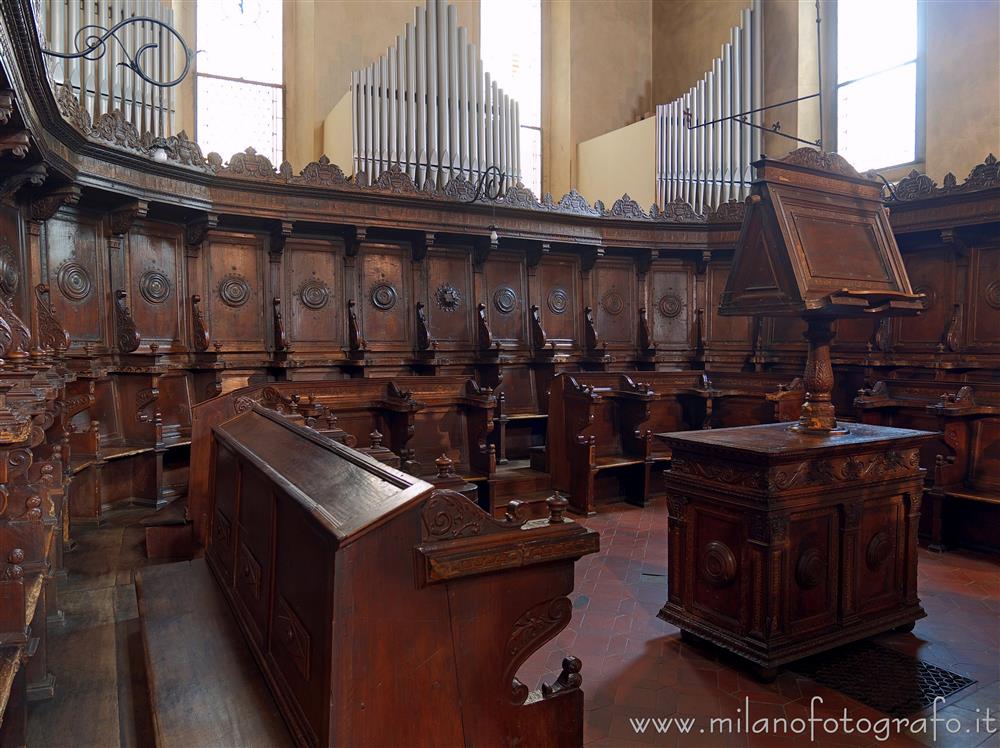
column 382, row 610
column 963, row 462
column 418, row 419
column 600, row 425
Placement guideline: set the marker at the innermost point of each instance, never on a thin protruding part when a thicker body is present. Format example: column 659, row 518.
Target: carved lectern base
column 783, row 544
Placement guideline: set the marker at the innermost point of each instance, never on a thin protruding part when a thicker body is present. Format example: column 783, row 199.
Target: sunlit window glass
column 877, row 82
column 511, row 41
column 240, row 93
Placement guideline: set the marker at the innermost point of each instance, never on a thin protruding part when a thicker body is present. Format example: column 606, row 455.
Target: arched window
column 239, row 77
column 877, row 82
column 511, row 47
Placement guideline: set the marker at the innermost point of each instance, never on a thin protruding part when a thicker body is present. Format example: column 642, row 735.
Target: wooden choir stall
column 383, row 610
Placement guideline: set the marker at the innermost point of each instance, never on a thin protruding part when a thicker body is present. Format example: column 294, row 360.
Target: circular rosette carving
column 234, row 290
column 10, row 273
column 993, row 294
column 74, row 281
column 718, row 564
column 613, row 303
column 154, row 286
column 879, row 550
column 448, row 298
column 383, row 296
column 669, row 305
column 557, row 300
column 505, row 299
column 314, row 294
column 810, row 569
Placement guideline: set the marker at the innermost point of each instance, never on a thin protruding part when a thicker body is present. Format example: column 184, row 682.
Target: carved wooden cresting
column 384, row 611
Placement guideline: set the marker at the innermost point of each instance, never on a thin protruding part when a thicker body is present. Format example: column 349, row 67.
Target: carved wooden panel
column 720, row 330
column 237, row 298
column 253, row 550
column 813, row 568
column 221, row 550
column 385, row 301
column 450, row 304
column 156, row 286
column 518, row 388
column 671, row 302
column 559, row 297
column 881, row 555
column 14, row 275
column 932, row 272
column 75, row 260
column 315, row 305
column 506, row 294
column 715, row 585
column 984, row 322
column 786, row 332
column 613, row 290
column 298, row 638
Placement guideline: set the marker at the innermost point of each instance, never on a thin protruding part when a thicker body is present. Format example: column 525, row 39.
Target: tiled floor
column 634, row 665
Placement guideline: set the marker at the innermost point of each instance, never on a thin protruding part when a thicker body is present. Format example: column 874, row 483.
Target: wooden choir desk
column 384, row 611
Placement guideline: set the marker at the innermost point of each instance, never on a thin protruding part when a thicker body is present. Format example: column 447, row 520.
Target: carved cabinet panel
column 813, row 568
column 253, row 550
column 236, row 292
column 984, row 321
column 505, row 296
column 75, row 262
column 671, row 299
column 615, row 309
column 384, row 298
column 314, row 289
column 559, row 297
column 155, row 286
column 880, row 560
column 450, row 306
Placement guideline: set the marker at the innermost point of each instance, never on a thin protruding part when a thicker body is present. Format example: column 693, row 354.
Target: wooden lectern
column 789, row 539
column 384, row 611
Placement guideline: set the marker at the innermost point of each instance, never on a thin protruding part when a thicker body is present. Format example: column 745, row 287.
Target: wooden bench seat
column 205, row 687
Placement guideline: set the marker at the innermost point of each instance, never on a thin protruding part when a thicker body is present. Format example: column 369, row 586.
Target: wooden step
column 205, row 687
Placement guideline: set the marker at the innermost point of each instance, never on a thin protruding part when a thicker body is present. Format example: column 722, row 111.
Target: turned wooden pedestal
column 785, row 544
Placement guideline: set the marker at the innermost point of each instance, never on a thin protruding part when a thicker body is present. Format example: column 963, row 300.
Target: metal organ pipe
column 429, row 108
column 709, row 165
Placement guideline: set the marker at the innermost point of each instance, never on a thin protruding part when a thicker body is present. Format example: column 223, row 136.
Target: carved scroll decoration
column 535, row 627
column 201, row 335
column 51, row 334
column 128, row 337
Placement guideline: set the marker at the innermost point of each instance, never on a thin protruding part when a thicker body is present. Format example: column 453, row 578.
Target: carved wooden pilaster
column 126, row 334
column 850, row 533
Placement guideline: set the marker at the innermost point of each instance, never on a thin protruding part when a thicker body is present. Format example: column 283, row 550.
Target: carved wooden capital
column 45, row 206
column 121, row 219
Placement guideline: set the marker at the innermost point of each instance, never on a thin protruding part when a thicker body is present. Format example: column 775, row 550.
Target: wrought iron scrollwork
column 91, row 43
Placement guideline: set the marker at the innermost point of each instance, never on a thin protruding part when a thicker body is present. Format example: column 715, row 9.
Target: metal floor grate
column 891, row 682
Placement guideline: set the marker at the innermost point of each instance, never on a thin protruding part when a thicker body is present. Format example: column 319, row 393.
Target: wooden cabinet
column 381, row 610
column 784, row 545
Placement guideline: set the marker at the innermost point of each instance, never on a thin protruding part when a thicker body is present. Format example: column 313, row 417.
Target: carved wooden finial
column 557, row 504
column 445, row 466
column 375, row 439
column 515, row 512
column 569, row 679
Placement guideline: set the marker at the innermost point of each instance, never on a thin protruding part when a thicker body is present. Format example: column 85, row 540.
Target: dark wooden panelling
column 559, row 297
column 671, row 302
column 984, row 313
column 385, row 299
column 506, row 293
column 450, row 302
column 157, row 290
column 615, row 306
column 315, row 288
column 76, row 266
column 237, row 298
